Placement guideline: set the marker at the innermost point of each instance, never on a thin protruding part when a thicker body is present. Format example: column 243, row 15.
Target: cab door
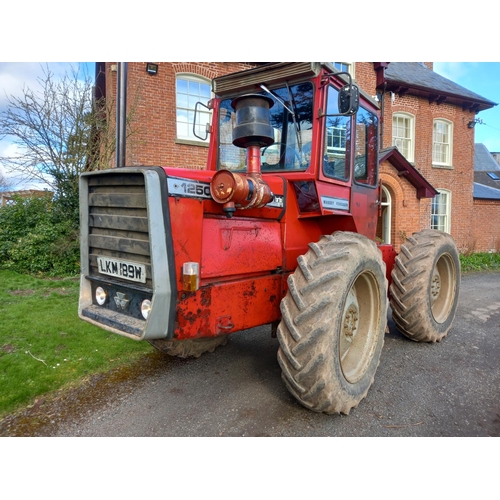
column 365, row 188
column 334, row 158
column 348, row 162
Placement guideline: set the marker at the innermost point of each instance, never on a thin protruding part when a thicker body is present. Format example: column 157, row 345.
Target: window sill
column 446, row 167
column 187, row 142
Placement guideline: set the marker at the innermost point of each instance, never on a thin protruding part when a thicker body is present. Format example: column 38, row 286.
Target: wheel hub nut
column 435, row 286
column 351, row 323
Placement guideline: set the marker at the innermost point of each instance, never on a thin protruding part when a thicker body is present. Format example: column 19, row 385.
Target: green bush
column 35, row 238
column 480, row 262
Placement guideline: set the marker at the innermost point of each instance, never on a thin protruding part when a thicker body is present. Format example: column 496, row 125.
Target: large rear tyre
column 333, row 323
column 425, row 286
column 189, row 348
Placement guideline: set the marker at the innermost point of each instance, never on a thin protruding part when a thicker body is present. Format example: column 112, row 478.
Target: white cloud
column 8, row 149
column 452, row 70
column 14, row 178
column 15, row 76
column 11, row 179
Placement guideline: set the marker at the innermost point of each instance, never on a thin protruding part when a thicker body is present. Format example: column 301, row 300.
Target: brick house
column 426, row 147
column 431, row 122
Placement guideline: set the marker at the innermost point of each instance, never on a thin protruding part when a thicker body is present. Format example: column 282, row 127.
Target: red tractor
column 279, row 229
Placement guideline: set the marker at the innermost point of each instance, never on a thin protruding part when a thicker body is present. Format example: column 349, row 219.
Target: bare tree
column 60, row 131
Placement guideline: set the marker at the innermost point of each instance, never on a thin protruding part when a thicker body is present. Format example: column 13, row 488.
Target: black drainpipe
column 381, row 86
column 121, row 113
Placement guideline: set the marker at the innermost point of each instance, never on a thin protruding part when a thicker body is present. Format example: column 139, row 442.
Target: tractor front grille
column 118, row 226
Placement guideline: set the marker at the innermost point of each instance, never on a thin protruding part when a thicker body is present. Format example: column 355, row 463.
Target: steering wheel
column 289, row 159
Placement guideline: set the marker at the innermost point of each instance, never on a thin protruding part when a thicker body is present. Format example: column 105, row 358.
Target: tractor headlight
column 145, row 308
column 100, row 295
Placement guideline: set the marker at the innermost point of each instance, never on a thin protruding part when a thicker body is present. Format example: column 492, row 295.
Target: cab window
column 365, row 156
column 337, row 140
column 292, row 132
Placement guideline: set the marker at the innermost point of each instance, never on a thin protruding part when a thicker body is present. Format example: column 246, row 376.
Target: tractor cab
column 321, row 135
column 297, row 94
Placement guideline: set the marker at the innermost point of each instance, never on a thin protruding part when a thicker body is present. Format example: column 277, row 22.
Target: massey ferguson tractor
column 279, row 229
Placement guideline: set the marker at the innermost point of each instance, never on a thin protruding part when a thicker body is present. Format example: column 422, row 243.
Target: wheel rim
column 442, row 288
column 359, row 329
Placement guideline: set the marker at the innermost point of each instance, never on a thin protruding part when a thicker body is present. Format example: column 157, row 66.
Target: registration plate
column 132, row 271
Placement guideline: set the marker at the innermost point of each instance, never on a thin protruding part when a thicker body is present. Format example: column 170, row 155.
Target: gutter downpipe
column 121, row 113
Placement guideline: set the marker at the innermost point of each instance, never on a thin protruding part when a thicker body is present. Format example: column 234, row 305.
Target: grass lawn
column 44, row 346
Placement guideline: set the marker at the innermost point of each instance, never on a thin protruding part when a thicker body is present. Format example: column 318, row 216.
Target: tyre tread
column 303, row 332
column 410, row 287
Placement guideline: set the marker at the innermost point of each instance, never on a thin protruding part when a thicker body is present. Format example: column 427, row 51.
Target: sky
column 483, row 78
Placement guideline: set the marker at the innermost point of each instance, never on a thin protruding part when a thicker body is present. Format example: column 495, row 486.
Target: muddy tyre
column 333, row 323
column 189, row 348
column 425, row 286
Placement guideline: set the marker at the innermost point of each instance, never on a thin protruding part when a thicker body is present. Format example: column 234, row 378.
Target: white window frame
column 339, row 133
column 441, row 208
column 409, row 153
column 350, row 67
column 187, row 107
column 446, row 146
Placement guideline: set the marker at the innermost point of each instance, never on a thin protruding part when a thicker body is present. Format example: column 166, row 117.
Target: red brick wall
column 485, row 227
column 365, row 77
column 406, row 207
column 152, row 99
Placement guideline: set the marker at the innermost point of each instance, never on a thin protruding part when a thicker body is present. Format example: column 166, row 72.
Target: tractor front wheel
column 425, row 286
column 333, row 323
